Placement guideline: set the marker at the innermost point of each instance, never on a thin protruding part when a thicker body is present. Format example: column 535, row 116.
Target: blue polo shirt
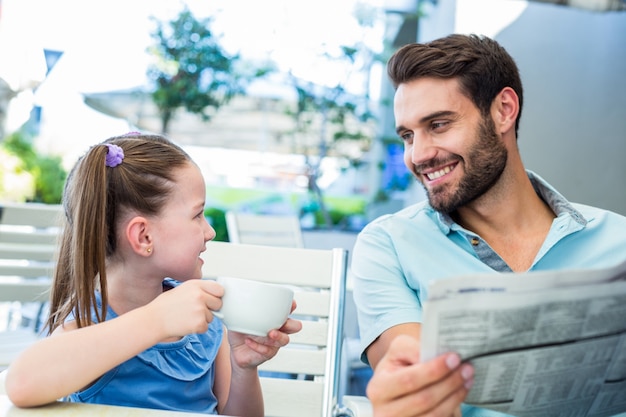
column 398, row 255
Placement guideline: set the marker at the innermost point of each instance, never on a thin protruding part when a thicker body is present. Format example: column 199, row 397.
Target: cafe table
column 61, row 409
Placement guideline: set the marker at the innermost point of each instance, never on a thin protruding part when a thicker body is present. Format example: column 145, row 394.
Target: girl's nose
column 209, row 233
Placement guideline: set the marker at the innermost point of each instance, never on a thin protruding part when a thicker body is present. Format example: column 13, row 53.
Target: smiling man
column 457, row 106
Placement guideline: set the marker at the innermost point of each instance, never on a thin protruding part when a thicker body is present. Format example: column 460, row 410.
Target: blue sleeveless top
column 175, row 376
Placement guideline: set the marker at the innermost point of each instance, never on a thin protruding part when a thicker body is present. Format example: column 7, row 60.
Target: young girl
column 121, row 333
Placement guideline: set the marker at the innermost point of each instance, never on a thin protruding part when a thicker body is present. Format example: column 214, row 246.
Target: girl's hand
column 187, row 308
column 251, row 351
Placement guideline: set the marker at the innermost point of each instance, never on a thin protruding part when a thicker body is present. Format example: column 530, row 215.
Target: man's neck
column 511, row 218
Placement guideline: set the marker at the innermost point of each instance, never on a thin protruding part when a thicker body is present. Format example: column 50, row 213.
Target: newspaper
column 550, row 343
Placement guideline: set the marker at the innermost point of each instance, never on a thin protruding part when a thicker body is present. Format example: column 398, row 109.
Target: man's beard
column 483, row 167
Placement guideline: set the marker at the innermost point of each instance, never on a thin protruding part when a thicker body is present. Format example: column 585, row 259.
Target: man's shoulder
column 417, row 219
column 593, row 213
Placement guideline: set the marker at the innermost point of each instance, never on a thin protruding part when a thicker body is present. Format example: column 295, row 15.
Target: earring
column 149, row 250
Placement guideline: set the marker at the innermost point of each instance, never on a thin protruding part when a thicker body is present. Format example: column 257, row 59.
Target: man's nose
column 422, row 149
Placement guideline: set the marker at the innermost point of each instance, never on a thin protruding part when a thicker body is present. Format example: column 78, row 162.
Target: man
column 457, row 105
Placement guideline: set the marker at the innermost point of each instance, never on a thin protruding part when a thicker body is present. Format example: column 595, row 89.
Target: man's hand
column 403, row 386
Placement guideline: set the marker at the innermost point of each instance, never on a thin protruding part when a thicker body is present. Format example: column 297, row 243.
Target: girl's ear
column 505, row 110
column 138, row 236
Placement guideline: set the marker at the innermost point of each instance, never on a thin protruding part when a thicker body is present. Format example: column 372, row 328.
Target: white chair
column 33, row 223
column 28, row 236
column 319, row 278
column 264, row 229
column 285, row 230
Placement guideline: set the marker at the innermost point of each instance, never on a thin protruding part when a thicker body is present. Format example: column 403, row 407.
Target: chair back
column 264, row 229
column 28, row 243
column 30, row 222
column 318, row 278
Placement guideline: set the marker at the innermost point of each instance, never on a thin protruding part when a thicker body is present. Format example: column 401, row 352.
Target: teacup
column 253, row 307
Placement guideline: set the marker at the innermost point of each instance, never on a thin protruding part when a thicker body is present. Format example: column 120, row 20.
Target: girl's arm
column 237, row 389
column 72, row 358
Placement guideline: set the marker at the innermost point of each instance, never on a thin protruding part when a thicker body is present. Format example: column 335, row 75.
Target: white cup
column 253, row 307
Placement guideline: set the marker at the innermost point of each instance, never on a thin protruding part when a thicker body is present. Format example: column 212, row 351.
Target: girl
column 120, row 332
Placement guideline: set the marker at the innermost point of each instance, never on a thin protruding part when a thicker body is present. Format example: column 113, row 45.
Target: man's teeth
column 440, row 173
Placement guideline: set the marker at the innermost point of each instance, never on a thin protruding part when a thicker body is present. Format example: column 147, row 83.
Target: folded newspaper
column 549, row 343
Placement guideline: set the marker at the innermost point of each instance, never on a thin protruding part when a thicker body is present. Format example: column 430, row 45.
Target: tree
column 344, row 121
column 341, row 119
column 191, row 70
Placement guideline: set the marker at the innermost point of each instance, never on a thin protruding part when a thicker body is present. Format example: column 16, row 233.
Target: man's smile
column 433, row 175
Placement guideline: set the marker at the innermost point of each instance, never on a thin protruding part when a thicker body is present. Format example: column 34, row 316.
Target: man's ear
column 505, row 109
column 138, row 235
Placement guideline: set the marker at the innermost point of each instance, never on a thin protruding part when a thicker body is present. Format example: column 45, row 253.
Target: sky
column 108, row 38
column 104, row 48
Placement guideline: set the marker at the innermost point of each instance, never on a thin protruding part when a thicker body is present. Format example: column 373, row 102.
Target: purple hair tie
column 115, row 155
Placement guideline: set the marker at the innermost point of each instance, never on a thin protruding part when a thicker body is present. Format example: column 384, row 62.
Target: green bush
column 337, row 217
column 47, row 171
column 217, row 219
column 49, row 180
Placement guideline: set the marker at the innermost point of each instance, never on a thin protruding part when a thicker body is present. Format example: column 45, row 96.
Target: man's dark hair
column 481, row 65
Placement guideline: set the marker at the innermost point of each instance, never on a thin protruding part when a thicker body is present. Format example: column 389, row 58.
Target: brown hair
column 95, row 197
column 482, row 66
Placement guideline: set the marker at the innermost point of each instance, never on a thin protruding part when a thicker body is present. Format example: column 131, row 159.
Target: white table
column 7, row 409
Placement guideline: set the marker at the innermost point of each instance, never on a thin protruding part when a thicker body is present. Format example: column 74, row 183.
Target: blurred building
column 572, row 58
column 22, row 69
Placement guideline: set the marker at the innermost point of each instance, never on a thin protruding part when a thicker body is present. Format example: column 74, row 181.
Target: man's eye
column 407, row 137
column 438, row 125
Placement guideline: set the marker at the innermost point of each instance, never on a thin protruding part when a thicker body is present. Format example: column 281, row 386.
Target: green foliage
column 337, row 218
column 17, row 145
column 191, row 69
column 49, row 179
column 47, row 171
column 381, row 196
column 340, row 209
column 340, row 115
column 217, row 219
column 346, row 116
column 329, row 120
